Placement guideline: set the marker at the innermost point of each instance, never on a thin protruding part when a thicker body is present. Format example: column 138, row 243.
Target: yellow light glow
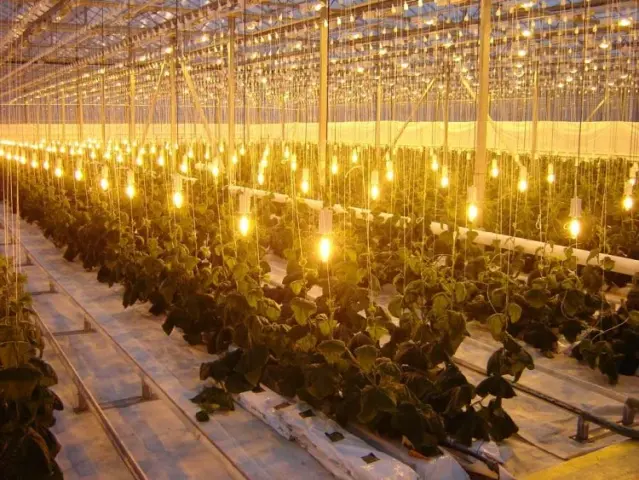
column 522, row 185
column 45, row 165
column 57, row 172
column 374, row 192
column 551, row 178
column 526, row 33
column 184, row 168
column 178, row 199
column 234, row 159
column 130, row 191
column 215, row 170
column 304, row 186
column 78, row 175
column 473, row 212
column 444, row 182
column 334, row 168
column 293, row 164
column 434, row 164
column 521, row 52
column 574, row 227
column 390, row 175
column 34, row 163
column 354, row 157
column 628, row 202
column 324, row 249
column 632, row 181
column 242, row 150
column 104, row 184
column 260, row 178
column 625, row 22
column 138, row 161
column 244, row 225
column 494, row 172
column 161, row 160
column 119, row 158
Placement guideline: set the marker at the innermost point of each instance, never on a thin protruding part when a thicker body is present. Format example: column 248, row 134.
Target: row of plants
column 342, row 352
column 391, row 367
column 28, row 447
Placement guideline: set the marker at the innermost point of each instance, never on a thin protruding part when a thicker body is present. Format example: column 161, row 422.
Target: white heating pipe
column 626, row 266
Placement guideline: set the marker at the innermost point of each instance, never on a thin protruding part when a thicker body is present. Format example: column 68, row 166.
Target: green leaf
column 514, row 312
column 608, row 264
column 441, row 302
column 240, row 271
column 372, row 401
column 332, row 350
column 366, row 356
column 497, row 324
column 17, row 384
column 306, row 343
column 296, row 286
column 268, row 308
column 593, row 254
column 536, row 298
column 460, row 290
column 376, row 332
column 252, row 363
column 495, row 385
column 395, row 306
column 320, row 380
column 633, row 318
column 302, row 309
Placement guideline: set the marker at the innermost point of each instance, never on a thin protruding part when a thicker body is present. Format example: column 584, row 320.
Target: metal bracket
column 629, row 410
column 82, row 405
column 583, row 430
column 87, row 327
column 147, row 393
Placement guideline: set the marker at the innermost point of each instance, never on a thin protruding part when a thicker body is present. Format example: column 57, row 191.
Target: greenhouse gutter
column 626, row 266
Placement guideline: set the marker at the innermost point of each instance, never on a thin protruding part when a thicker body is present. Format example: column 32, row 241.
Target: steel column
column 481, row 159
column 231, row 88
column 323, row 94
column 63, row 115
column 103, row 110
column 174, row 105
column 378, row 119
column 80, row 115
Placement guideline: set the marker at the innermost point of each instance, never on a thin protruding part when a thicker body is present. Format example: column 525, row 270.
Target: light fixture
column 178, row 197
column 260, row 177
column 305, row 185
column 574, row 226
column 625, row 22
column 494, row 168
column 334, row 165
column 78, row 175
column 390, row 175
column 472, row 211
column 244, row 224
column 104, row 178
column 325, row 230
column 294, row 163
column 551, row 174
column 130, row 184
column 444, row 182
column 434, row 164
column 354, row 156
column 628, row 201
column 374, row 185
column 604, row 44
column 522, row 184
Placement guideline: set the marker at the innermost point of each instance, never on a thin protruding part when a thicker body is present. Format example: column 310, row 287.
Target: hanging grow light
column 130, row 184
column 334, row 165
column 305, row 185
column 494, row 168
column 522, row 184
column 104, row 178
column 628, row 201
column 374, row 185
column 58, row 168
column 325, row 230
column 244, row 224
column 178, row 196
column 574, row 226
column 444, row 182
column 551, row 174
column 472, row 211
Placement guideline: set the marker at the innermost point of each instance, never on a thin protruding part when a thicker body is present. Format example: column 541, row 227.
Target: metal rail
column 149, row 386
column 87, row 401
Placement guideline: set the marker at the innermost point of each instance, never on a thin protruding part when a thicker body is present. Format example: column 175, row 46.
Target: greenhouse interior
column 313, row 239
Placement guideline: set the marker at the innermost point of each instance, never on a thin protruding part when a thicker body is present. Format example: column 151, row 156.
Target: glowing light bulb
column 472, row 212
column 78, row 175
column 522, row 185
column 521, row 52
column 628, row 202
column 434, row 164
column 334, row 166
column 178, row 199
column 244, row 225
column 57, row 172
column 221, row 147
column 161, row 160
column 260, row 178
column 551, row 174
column 574, row 227
column 390, row 175
column 130, row 191
column 324, row 249
column 374, row 192
column 526, row 32
column 234, row 159
column 34, row 163
column 625, row 22
column 294, row 163
column 45, row 165
column 138, row 161
column 494, row 169
column 184, row 167
column 242, row 149
column 604, row 44
column 104, row 184
column 215, row 170
column 354, row 156
column 119, row 158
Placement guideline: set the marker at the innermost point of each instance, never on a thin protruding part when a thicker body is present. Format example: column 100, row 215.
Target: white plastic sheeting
column 347, row 456
column 597, row 138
